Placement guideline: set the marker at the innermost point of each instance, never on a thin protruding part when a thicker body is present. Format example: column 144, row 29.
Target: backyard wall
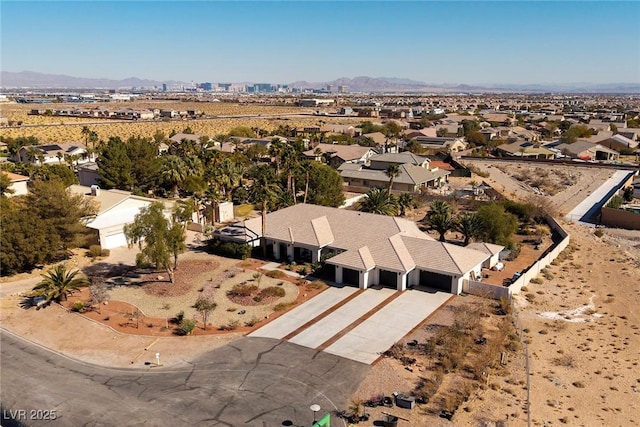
column 496, row 292
column 620, row 218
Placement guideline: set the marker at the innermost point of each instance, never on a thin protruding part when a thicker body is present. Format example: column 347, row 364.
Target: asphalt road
column 251, row 382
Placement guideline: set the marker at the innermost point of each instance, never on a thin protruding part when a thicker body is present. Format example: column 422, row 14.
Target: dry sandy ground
column 66, row 129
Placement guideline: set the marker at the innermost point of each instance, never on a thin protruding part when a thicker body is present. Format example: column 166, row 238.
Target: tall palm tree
column 59, row 282
column 470, row 225
column 263, row 192
column 378, row 201
column 392, row 172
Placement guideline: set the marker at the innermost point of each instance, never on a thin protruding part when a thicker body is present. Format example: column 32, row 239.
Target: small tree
column 204, row 306
column 150, row 230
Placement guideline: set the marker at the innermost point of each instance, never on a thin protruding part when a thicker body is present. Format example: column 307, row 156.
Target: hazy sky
column 476, row 42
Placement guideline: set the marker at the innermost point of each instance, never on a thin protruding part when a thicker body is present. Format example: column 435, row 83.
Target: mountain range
column 35, row 80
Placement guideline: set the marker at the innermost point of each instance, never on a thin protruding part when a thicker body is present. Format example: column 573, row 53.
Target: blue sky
column 477, row 42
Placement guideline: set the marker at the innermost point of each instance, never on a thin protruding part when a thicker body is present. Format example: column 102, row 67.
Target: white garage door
column 114, row 241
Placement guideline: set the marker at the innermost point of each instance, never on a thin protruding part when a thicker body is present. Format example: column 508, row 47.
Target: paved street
column 251, row 382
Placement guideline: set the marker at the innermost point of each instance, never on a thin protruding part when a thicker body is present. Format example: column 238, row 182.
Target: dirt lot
column 68, row 129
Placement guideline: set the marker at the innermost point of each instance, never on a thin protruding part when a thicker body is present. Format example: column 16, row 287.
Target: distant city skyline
column 513, row 42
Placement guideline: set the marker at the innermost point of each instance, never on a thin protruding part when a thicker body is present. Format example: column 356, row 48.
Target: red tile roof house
column 364, row 249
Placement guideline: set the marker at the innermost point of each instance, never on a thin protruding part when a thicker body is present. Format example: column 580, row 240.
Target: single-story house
column 441, row 143
column 362, row 249
column 585, row 150
column 18, row 184
column 411, row 179
column 525, row 149
column 116, row 208
column 337, row 154
column 54, row 153
column 631, row 133
column 618, row 143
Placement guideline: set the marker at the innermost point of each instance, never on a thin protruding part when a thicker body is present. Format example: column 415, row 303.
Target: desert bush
column 232, row 325
column 598, row 232
column 229, row 249
column 504, row 306
column 536, row 281
column 252, row 322
column 276, row 274
column 231, row 309
column 283, row 306
column 179, row 317
column 78, row 306
column 186, row 327
column 241, row 290
column 96, row 251
column 257, row 298
column 273, row 291
column 316, row 284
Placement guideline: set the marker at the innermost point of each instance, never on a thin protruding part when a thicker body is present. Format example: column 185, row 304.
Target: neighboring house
column 18, row 184
column 631, row 133
column 363, row 249
column 600, row 125
column 88, row 174
column 177, row 138
column 525, row 149
column 636, row 187
column 336, row 129
column 441, row 143
column 414, row 133
column 116, row 208
column 584, row 150
column 618, row 143
column 336, row 154
column 414, row 174
column 488, row 248
column 53, row 153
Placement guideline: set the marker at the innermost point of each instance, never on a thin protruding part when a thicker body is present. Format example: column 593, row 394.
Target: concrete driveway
column 251, row 382
column 361, row 329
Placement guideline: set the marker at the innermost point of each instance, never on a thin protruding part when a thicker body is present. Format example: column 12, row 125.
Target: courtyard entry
column 435, row 280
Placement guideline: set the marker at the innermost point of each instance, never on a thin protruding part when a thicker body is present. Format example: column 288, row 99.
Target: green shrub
column 273, row 291
column 615, row 202
column 229, row 249
column 179, row 316
column 275, row 274
column 598, row 232
column 257, row 298
column 242, row 290
column 95, row 251
column 78, row 306
column 186, row 327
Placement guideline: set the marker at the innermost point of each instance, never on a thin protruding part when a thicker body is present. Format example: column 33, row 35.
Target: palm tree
column 263, row 192
column 392, row 172
column 404, row 201
column 59, row 282
column 470, row 225
column 378, row 201
column 440, row 218
column 306, row 167
column 174, row 171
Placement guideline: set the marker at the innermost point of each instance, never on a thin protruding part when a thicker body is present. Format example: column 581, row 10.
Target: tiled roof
column 488, row 248
column 401, row 158
column 345, row 152
column 367, row 240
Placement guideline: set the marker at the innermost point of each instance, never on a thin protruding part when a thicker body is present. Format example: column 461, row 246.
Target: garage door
column 389, row 279
column 435, row 280
column 114, row 241
column 350, row 277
